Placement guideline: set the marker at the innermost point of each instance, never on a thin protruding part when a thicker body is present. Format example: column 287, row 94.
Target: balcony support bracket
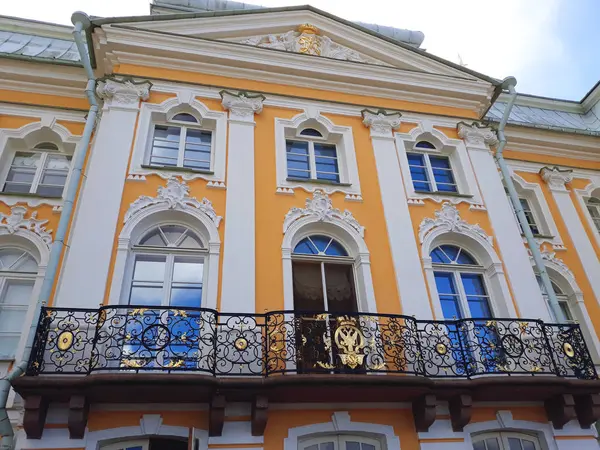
column 587, row 408
column 460, row 411
column 560, row 409
column 216, row 415
column 34, row 419
column 424, row 412
column 260, row 413
column 79, row 408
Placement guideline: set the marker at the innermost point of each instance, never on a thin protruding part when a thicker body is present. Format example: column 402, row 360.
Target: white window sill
column 168, row 172
column 10, row 198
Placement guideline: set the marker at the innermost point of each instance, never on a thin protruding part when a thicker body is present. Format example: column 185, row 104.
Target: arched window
column 340, row 442
column 593, row 207
column 154, row 443
column 505, row 441
column 168, row 268
column 563, row 300
column 460, row 284
column 17, row 277
column 182, row 142
column 312, row 157
column 41, row 170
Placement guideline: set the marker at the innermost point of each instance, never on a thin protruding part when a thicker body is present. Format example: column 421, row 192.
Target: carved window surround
column 582, row 195
column 340, row 135
column 454, row 149
column 151, row 113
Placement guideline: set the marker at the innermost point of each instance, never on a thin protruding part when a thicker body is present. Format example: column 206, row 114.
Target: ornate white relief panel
column 448, row 219
column 556, row 178
column 307, row 39
column 320, row 208
column 476, row 136
column 16, row 221
column 175, row 195
column 380, row 122
column 123, row 92
column 242, row 105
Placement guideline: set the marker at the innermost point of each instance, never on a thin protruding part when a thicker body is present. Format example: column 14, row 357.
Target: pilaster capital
column 475, row 135
column 556, row 178
column 123, row 92
column 381, row 122
column 242, row 106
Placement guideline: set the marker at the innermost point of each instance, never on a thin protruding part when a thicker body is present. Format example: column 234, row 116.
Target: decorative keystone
column 381, row 122
column 242, row 106
column 124, row 92
column 556, row 178
column 476, row 135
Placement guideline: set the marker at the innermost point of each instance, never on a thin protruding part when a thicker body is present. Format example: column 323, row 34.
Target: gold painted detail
column 308, row 41
column 138, row 311
column 101, row 318
column 350, row 342
column 241, row 343
column 134, row 363
column 441, row 349
column 308, row 29
column 65, row 341
column 378, row 366
column 180, row 313
column 325, row 365
column 568, row 349
column 535, row 368
column 174, row 364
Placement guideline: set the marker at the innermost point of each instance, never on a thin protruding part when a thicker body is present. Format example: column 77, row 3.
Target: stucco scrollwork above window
column 123, row 91
column 475, row 135
column 321, row 209
column 556, row 178
column 307, row 39
column 242, row 105
column 175, row 195
column 381, row 122
column 447, row 219
column 16, row 221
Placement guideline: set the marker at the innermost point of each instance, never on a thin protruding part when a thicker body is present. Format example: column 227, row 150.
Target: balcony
column 139, row 339
column 133, row 354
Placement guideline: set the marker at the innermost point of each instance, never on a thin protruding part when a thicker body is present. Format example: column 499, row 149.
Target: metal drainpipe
column 81, row 22
column 510, row 83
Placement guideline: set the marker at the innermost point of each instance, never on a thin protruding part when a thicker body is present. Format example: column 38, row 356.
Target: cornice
column 545, row 103
column 132, row 46
column 38, row 113
column 546, row 142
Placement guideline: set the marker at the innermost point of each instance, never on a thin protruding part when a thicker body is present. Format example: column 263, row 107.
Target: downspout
column 510, row 83
column 81, row 22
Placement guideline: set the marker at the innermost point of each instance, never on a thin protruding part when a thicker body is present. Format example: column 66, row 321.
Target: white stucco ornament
column 448, row 219
column 242, row 104
column 16, row 221
column 477, row 135
column 175, row 195
column 321, row 209
column 380, row 122
column 556, row 178
column 123, row 91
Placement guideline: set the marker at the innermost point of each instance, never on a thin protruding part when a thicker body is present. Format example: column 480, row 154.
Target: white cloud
column 514, row 37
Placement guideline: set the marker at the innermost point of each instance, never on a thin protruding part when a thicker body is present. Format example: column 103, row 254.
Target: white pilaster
column 525, row 287
column 90, row 243
column 405, row 254
column 238, row 291
column 556, row 180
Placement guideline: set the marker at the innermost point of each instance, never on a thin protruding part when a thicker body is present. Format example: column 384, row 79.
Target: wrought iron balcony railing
column 138, row 338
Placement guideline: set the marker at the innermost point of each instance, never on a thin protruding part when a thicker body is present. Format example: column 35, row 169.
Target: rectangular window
column 174, row 146
column 309, row 160
column 431, row 173
column 13, row 309
column 528, row 215
column 593, row 207
column 38, row 173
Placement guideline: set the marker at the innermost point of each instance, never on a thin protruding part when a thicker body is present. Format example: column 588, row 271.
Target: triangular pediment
column 305, row 30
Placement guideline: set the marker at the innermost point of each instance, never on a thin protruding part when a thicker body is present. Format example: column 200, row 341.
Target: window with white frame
column 17, row 276
column 529, row 215
column 155, row 443
column 593, row 207
column 42, row 170
column 505, row 441
column 563, row 301
column 181, row 143
column 340, row 442
column 310, row 157
column 430, row 172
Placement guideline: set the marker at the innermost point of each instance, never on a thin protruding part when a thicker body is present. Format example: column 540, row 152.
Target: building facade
column 290, row 232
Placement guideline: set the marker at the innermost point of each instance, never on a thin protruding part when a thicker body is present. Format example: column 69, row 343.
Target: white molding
column 454, row 149
column 185, row 100
column 556, row 178
column 122, row 92
column 319, row 217
column 31, row 228
column 449, row 228
column 242, row 106
column 477, row 136
column 341, row 422
column 40, row 113
column 172, row 205
column 381, row 123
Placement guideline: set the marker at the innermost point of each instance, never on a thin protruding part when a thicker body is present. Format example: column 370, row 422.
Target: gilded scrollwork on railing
column 143, row 338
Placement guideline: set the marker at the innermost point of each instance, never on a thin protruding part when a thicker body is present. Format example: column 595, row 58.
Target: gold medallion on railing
column 568, row 349
column 65, row 340
column 241, row 343
column 441, row 349
column 350, row 342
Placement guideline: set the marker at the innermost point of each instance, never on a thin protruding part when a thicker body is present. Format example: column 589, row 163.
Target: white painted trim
column 454, row 149
column 340, row 135
column 342, row 423
column 185, row 101
column 582, row 195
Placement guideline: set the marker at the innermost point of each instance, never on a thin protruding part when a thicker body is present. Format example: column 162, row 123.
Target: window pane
column 11, row 320
column 149, row 268
column 328, row 177
column 306, row 247
column 165, row 133
column 339, row 282
column 450, row 307
column 325, row 150
column 58, row 162
column 335, row 249
column 298, row 147
column 439, row 162
column 421, row 186
column 443, row 176
column 418, row 174
column 11, row 258
column 444, row 282
column 479, row 308
column 425, row 144
column 479, row 445
column 198, row 137
column 415, row 159
column 184, row 117
column 186, row 271
column 312, row 447
column 17, row 292
column 17, row 188
column 310, row 132
column 149, row 296
column 514, row 444
column 172, row 233
column 352, row 445
column 169, row 151
column 527, row 445
column 27, row 160
column 8, row 344
column 326, row 446
column 473, row 284
column 367, row 446
column 186, row 297
column 308, row 286
column 50, row 191
column 446, row 188
column 439, row 257
column 492, row 444
column 465, row 258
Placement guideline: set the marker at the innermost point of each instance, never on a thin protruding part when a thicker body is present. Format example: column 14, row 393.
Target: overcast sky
column 552, row 47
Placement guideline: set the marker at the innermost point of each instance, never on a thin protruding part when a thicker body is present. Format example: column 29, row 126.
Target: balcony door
column 324, row 290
